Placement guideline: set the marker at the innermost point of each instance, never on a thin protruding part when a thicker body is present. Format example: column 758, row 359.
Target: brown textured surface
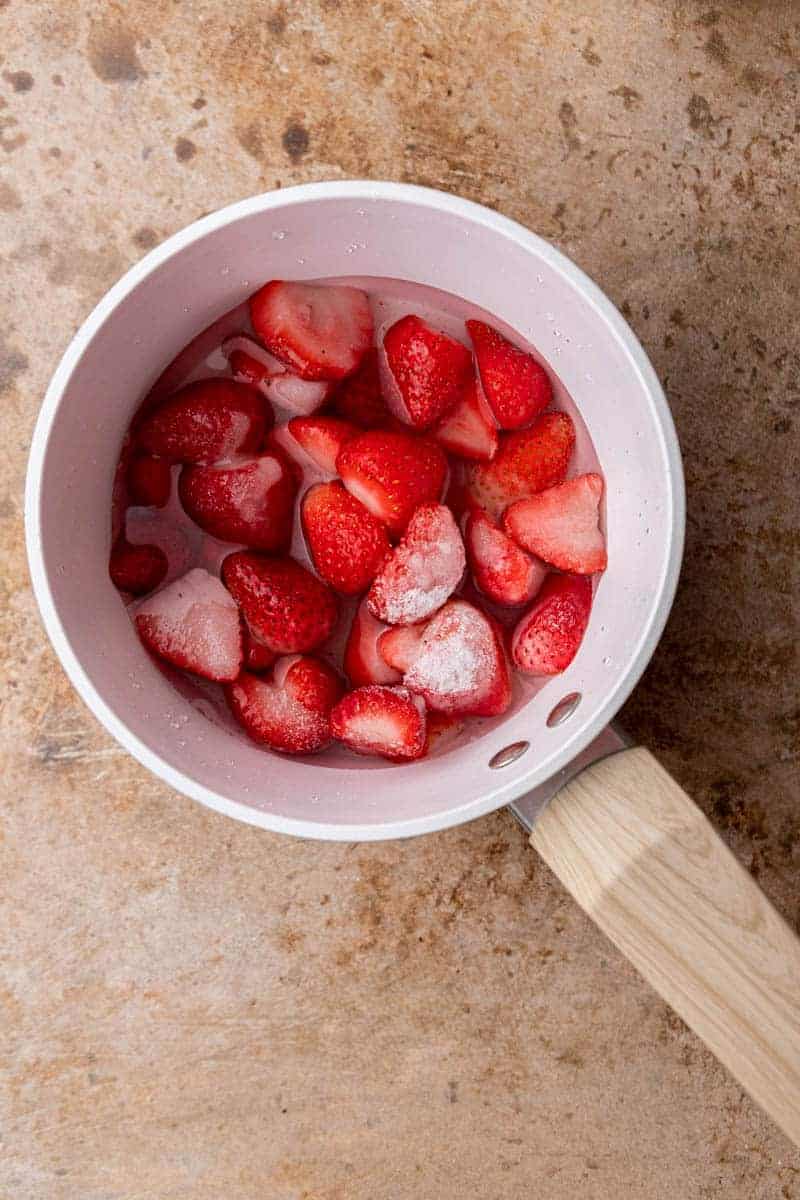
column 192, row 1008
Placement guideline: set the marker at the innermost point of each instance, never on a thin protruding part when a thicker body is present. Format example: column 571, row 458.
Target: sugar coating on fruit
column 455, row 653
column 423, row 570
column 195, row 619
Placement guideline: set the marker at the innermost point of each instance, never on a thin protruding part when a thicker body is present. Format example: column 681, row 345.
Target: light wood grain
column 639, row 856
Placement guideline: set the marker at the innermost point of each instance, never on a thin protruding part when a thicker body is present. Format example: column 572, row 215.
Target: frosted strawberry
column 461, row 666
column 430, row 370
column 549, row 635
column 193, row 623
column 206, row 421
column 501, row 570
column 286, row 608
column 289, row 712
column 422, row 571
column 381, row 720
column 516, row 386
column 249, row 500
column 561, row 525
column 251, row 363
column 321, row 333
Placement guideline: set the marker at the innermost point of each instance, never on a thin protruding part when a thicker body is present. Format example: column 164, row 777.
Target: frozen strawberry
column 289, row 712
column 194, row 624
column 149, row 480
column 363, row 663
column 429, row 369
column 286, row 608
column 501, row 570
column 548, row 636
column 359, row 398
column 346, row 543
column 256, row 657
column 137, row 569
column 380, row 720
column 322, row 438
column 423, row 571
column 392, row 474
column 516, row 386
column 468, row 429
column 461, row 666
column 248, row 500
column 321, row 333
column 561, row 525
column 206, row 421
column 252, row 363
column 528, row 461
column 400, row 646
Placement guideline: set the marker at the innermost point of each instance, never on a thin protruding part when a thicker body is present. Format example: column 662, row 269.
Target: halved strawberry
column 252, row 364
column 501, row 570
column 380, row 720
column 561, row 525
column 548, row 636
column 290, row 712
column 461, row 665
column 149, row 480
column 256, row 656
column 347, row 544
column 392, row 474
column 400, row 646
column 322, row 438
column 194, row 624
column 359, row 398
column 248, row 500
column 363, row 663
column 423, row 571
column 516, row 386
column 429, row 369
column 285, row 606
column 528, row 461
column 468, row 429
column 136, row 569
column 320, row 332
column 206, row 421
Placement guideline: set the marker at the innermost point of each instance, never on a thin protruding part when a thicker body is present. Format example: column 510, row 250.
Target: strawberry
column 286, row 608
column 501, row 570
column 561, row 525
column 400, row 646
column 380, row 720
column 321, row 333
column 347, row 544
column 422, row 571
column 548, row 636
column 363, row 663
column 528, row 461
column 256, row 656
column 392, row 474
column 194, row 624
column 149, row 480
column 516, row 386
column 441, row 727
column 206, row 421
column 248, row 500
column 468, row 429
column 429, row 369
column 322, row 438
column 289, row 712
column 461, row 666
column 252, row 364
column 136, row 569
column 359, row 398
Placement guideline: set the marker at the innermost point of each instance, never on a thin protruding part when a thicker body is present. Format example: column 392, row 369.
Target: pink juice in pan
column 360, row 512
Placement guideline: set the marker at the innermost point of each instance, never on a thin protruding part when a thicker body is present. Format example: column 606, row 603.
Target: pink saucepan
column 621, row 835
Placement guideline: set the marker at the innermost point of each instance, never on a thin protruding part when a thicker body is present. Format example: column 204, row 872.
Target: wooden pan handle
column 642, row 860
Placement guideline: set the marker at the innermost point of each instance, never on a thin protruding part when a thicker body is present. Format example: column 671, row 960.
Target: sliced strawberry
column 461, row 667
column 346, row 543
column 400, row 646
column 380, row 720
column 548, row 636
column 528, row 461
column 429, row 369
column 291, row 711
column 137, row 569
column 359, row 398
column 322, row 333
column 363, row 663
column 206, row 421
column 468, row 429
column 194, row 624
column 516, row 386
column 501, row 570
column 248, row 500
column 423, row 570
column 322, row 438
column 252, row 364
column 149, row 480
column 392, row 474
column 561, row 525
column 257, row 657
column 285, row 606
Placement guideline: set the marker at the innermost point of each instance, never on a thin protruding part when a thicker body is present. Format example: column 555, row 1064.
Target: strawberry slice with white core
column 206, row 421
column 422, row 572
column 194, row 624
column 468, row 430
column 248, row 500
column 321, row 333
column 429, row 370
column 501, row 570
column 400, row 646
column 252, row 364
column 461, row 666
column 561, row 525
column 363, row 663
column 392, row 474
column 289, row 712
column 322, row 438
column 516, row 386
column 549, row 635
column 381, row 720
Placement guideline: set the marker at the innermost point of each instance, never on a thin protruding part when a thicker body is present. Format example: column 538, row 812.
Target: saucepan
column 621, row 835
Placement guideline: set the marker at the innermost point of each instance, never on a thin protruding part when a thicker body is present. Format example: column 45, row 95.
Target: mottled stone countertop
column 191, row 1008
